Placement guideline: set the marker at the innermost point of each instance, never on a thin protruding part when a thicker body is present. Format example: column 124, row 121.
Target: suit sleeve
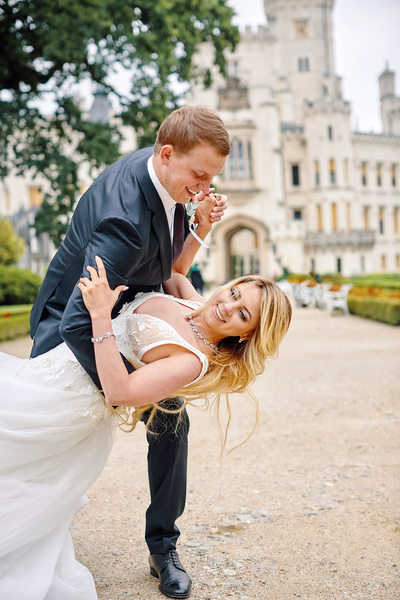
column 119, row 245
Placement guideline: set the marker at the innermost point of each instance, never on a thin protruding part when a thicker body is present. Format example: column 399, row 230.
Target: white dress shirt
column 167, row 200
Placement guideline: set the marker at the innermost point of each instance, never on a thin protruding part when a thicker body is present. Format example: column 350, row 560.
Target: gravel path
column 308, row 508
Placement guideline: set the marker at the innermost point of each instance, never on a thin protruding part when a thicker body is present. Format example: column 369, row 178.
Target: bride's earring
column 241, row 340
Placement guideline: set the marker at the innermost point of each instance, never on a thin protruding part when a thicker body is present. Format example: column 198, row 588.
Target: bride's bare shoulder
column 155, row 303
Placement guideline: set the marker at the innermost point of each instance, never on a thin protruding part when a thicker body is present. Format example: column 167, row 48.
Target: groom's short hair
column 188, row 126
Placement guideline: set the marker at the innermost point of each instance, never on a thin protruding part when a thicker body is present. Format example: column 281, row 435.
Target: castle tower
column 303, row 49
column 390, row 103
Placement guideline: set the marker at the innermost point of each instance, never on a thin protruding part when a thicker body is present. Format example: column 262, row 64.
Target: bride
column 56, row 426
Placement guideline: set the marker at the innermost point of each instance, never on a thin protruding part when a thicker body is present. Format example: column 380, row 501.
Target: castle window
column 297, row 214
column 303, row 64
column 240, row 160
column 394, row 170
column 338, row 265
column 396, row 220
column 295, row 175
column 332, row 171
column 301, row 29
column 346, row 170
column 383, row 262
column 316, row 172
column 7, row 198
column 319, row 218
column 364, row 173
column 348, row 216
column 366, row 217
column 381, row 222
column 330, row 132
column 379, row 175
column 240, row 165
column 35, row 196
column 250, row 160
column 334, row 216
column 397, row 261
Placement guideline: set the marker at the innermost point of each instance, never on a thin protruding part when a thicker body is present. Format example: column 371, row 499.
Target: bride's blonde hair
column 235, row 365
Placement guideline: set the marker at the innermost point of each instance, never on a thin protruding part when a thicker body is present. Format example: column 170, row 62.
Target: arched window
column 316, row 172
column 250, row 160
column 303, row 63
column 240, row 164
column 334, row 216
column 332, row 170
column 240, row 159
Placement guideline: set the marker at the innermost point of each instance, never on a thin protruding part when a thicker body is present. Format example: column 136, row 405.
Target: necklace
column 197, row 332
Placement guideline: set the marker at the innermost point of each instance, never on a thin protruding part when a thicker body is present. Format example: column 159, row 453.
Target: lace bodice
column 137, row 333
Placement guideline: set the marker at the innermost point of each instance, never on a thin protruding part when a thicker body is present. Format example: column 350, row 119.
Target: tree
column 49, row 48
column 11, row 245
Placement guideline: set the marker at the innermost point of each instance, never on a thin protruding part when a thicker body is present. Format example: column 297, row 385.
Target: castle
column 305, row 191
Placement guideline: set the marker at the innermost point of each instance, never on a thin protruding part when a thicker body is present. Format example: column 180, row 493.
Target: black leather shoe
column 174, row 581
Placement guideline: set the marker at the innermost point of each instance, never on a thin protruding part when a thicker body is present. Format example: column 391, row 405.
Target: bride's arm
column 211, row 209
column 150, row 383
column 179, row 286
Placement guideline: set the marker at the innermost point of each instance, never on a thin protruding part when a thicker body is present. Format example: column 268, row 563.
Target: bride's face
column 234, row 311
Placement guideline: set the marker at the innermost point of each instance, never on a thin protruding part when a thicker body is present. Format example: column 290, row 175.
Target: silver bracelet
column 107, row 334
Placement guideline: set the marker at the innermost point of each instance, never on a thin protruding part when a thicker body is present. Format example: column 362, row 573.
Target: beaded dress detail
column 138, row 333
column 56, row 434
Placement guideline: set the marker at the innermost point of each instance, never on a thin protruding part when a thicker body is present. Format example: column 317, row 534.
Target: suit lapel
column 159, row 218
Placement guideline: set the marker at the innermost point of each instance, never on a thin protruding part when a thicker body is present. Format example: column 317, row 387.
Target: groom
column 131, row 217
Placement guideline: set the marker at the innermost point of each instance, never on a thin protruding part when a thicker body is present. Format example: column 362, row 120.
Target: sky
column 366, row 35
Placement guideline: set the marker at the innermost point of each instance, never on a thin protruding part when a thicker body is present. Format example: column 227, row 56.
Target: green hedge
column 390, row 281
column 18, row 286
column 379, row 309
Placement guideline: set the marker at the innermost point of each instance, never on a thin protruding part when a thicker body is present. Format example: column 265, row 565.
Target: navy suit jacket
column 121, row 219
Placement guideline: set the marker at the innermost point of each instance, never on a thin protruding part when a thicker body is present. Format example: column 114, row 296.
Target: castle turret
column 390, row 103
column 303, row 48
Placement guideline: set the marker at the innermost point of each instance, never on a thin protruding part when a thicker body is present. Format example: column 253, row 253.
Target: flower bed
column 374, row 296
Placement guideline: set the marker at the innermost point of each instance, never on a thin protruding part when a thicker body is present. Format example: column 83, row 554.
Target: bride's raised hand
column 97, row 295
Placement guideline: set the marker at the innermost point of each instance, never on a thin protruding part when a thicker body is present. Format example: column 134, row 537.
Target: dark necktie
column 179, row 229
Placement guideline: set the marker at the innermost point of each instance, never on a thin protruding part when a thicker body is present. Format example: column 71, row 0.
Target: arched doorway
column 242, row 247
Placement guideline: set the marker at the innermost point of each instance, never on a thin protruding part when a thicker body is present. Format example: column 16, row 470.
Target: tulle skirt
column 55, row 437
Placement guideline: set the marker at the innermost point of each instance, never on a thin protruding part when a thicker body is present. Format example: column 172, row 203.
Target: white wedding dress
column 55, row 437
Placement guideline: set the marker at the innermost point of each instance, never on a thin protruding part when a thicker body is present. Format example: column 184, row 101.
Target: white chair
column 303, row 294
column 337, row 300
column 320, row 295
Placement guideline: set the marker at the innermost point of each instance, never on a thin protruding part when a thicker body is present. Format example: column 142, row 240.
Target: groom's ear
column 166, row 153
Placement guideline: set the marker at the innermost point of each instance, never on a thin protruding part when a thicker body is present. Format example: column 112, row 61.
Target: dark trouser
column 167, row 470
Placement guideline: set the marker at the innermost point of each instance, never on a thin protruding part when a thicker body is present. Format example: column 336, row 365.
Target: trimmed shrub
column 379, row 309
column 18, row 286
column 390, row 281
column 299, row 277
